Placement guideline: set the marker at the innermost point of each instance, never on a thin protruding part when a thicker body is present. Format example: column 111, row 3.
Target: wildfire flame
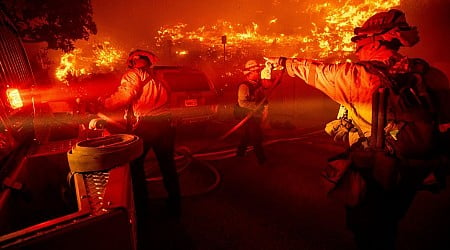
column 68, row 66
column 340, row 21
column 100, row 57
column 106, row 55
column 328, row 37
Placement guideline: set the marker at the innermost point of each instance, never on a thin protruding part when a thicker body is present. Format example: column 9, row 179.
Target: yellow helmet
column 251, row 65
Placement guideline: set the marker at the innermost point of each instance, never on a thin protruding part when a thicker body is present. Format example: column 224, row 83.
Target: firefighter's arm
column 338, row 81
column 318, row 75
column 243, row 94
column 125, row 92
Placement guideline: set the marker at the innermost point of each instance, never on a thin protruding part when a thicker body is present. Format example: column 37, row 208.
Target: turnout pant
column 375, row 220
column 252, row 135
column 157, row 133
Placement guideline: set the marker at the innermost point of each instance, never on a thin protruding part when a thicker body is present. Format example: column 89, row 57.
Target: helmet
column 152, row 58
column 251, row 65
column 386, row 26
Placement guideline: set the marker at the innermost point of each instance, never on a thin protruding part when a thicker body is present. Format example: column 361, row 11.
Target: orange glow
column 325, row 35
column 329, row 37
column 182, row 52
column 14, row 98
column 69, row 66
column 99, row 57
column 341, row 19
column 106, row 55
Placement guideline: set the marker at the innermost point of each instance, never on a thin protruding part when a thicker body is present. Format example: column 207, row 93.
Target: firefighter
column 373, row 212
column 250, row 95
column 145, row 101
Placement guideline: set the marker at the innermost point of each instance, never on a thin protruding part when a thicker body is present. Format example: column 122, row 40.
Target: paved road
column 280, row 206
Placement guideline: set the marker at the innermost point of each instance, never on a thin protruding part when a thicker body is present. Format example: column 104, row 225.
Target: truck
column 43, row 205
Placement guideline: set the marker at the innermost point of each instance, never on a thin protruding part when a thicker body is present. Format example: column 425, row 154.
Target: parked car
column 192, row 96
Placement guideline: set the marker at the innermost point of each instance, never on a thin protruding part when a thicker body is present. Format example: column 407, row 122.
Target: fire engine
column 43, row 205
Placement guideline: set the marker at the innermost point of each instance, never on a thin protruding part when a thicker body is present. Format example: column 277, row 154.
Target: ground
column 233, row 203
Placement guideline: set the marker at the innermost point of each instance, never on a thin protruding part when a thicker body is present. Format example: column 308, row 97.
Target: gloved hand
column 266, row 72
column 277, row 63
column 97, row 123
column 341, row 135
column 339, row 129
column 332, row 127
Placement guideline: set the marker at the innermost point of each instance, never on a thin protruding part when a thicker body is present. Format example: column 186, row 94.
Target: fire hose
column 86, row 156
column 103, row 153
column 190, row 156
column 276, row 83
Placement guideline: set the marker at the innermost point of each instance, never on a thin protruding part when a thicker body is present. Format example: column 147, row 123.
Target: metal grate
column 95, row 187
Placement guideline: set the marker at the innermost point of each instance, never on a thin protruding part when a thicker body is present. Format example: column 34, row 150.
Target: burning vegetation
column 227, row 44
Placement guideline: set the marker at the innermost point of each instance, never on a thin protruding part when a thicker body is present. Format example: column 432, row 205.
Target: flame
column 95, row 58
column 340, row 21
column 68, row 66
column 182, row 52
column 329, row 37
column 106, row 55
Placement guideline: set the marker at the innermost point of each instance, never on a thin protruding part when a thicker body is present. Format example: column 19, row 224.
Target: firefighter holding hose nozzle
column 252, row 104
column 145, row 103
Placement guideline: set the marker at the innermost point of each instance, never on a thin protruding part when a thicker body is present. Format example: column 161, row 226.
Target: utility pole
column 224, row 42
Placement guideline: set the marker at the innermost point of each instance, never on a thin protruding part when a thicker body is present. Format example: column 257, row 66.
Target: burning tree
column 98, row 57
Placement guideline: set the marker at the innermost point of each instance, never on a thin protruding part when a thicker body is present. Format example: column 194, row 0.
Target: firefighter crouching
column 145, row 101
column 379, row 175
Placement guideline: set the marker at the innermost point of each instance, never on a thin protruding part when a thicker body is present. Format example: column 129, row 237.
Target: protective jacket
column 352, row 85
column 138, row 87
column 250, row 95
column 349, row 84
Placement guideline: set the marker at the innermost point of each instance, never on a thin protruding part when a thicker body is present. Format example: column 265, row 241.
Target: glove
column 341, row 135
column 332, row 127
column 266, row 72
column 277, row 63
column 339, row 130
column 97, row 123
